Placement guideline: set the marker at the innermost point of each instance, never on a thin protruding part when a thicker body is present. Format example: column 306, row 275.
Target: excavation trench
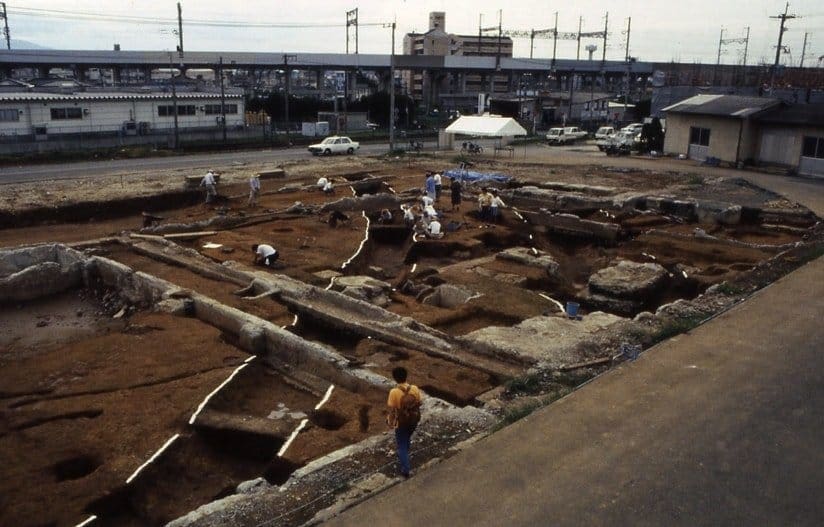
column 137, row 344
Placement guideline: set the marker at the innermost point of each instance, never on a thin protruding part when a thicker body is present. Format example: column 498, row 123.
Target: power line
column 131, row 19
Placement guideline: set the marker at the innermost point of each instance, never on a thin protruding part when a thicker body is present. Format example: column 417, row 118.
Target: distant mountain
column 24, row 44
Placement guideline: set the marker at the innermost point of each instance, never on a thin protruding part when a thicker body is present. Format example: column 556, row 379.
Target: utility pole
column 779, row 48
column 555, row 38
column 6, row 28
column 180, row 29
column 626, row 57
column 803, row 51
column 480, row 31
column 174, row 101
column 222, row 100
column 718, row 61
column 351, row 20
column 578, row 53
column 500, row 33
column 531, row 42
column 392, row 92
column 287, row 76
column 746, row 45
column 629, row 27
column 606, row 27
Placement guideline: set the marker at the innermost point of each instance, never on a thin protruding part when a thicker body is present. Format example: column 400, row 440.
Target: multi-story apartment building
column 430, row 87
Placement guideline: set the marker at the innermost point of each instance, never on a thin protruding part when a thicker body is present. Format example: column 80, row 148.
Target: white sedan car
column 334, row 145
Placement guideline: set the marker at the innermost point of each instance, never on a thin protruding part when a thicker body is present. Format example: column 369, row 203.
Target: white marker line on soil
column 362, row 243
column 250, row 359
column 325, row 397
column 86, row 521
column 292, row 437
column 297, row 430
column 515, row 211
column 224, row 383
column 414, row 266
column 331, row 283
column 155, row 456
column 560, row 305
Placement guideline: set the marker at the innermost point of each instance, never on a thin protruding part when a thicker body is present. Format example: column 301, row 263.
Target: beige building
column 427, row 86
column 715, row 126
column 793, row 137
column 748, row 130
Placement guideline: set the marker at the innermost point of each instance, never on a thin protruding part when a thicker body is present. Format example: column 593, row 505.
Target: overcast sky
column 662, row 30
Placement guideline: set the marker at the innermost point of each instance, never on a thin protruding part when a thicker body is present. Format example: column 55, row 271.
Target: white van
column 604, row 132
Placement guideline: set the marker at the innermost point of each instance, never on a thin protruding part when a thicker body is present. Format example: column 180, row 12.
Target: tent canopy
column 486, row 126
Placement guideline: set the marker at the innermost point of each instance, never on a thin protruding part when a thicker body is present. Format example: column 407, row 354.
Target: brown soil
column 87, row 398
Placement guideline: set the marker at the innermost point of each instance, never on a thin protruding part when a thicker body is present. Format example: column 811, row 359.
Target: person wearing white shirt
column 265, row 254
column 433, row 230
column 427, row 201
column 496, row 205
column 430, row 211
column 322, row 182
column 408, row 216
column 438, row 186
column 328, row 188
column 254, row 190
column 209, row 182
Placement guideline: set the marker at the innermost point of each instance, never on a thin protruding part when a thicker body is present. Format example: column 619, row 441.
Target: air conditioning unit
column 129, row 128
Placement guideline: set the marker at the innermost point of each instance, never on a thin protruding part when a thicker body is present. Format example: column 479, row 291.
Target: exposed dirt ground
column 87, row 398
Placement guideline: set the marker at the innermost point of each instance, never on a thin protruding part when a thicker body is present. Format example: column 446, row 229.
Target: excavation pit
column 79, row 375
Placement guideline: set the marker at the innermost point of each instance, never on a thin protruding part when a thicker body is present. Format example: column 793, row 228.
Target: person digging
column 265, row 255
column 404, row 414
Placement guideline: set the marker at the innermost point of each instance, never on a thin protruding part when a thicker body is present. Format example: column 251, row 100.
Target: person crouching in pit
column 265, row 255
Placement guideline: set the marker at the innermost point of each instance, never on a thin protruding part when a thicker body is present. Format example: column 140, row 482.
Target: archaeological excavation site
column 152, row 374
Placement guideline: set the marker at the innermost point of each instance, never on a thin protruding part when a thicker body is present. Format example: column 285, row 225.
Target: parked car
column 604, row 132
column 562, row 136
column 621, row 143
column 634, row 127
column 334, row 145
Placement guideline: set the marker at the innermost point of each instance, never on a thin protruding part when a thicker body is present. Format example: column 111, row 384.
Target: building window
column 66, row 113
column 813, row 147
column 182, row 109
column 699, row 136
column 214, row 109
column 10, row 115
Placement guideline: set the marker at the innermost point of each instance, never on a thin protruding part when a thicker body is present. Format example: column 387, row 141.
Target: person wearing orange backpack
column 404, row 414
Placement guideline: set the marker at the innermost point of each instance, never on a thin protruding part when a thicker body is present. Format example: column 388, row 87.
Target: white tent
column 486, row 126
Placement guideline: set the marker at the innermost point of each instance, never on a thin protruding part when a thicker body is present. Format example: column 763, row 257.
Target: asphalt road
column 215, row 161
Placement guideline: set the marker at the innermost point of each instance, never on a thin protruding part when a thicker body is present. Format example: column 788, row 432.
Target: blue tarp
column 471, row 177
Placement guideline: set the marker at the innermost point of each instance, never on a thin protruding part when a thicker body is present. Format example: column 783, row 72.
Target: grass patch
column 813, row 253
column 676, row 327
column 729, row 289
column 529, row 384
column 695, row 180
column 516, row 414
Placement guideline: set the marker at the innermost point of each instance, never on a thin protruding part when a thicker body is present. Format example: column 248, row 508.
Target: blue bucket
column 572, row 309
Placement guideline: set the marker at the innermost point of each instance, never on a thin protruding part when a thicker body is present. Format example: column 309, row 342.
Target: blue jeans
column 403, row 436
